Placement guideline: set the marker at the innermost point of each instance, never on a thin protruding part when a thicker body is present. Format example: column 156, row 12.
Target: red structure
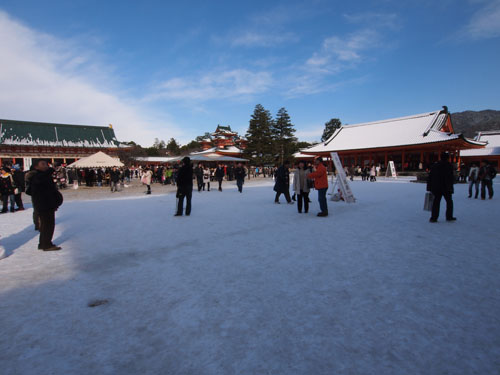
column 412, row 142
column 224, row 138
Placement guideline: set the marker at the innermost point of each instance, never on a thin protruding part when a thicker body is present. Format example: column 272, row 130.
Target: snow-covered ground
column 244, row 286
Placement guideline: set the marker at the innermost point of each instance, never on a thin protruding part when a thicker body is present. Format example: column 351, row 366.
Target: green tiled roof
column 46, row 134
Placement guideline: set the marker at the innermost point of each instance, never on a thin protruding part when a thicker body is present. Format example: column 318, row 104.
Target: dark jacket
column 199, row 173
column 441, row 178
column 239, row 173
column 18, row 177
column 282, row 180
column 114, row 176
column 219, row 173
column 44, row 192
column 487, row 172
column 6, row 185
column 185, row 179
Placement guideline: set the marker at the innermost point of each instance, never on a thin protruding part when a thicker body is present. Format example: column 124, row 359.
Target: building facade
column 23, row 141
column 491, row 152
column 223, row 138
column 411, row 142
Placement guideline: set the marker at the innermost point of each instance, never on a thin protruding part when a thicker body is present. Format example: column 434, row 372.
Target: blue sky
column 177, row 69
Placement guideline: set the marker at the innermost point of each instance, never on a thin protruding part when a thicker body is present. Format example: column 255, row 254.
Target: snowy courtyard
column 245, row 286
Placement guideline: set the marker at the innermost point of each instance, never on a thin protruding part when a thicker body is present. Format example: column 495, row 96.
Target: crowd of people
column 43, row 182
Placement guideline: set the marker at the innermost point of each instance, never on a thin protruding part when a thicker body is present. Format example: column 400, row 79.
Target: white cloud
column 43, row 78
column 236, row 83
column 337, row 54
column 262, row 39
column 485, row 23
column 337, row 50
column 389, row 20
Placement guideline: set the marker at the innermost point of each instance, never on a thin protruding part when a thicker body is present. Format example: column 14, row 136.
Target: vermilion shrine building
column 22, row 141
column 412, row 142
column 491, row 152
column 224, row 139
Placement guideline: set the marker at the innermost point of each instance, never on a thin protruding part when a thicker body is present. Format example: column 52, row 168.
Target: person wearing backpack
column 486, row 174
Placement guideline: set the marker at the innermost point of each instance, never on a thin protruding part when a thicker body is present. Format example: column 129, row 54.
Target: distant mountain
column 471, row 122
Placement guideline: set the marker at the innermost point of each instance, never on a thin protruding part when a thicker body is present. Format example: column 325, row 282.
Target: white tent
column 98, row 160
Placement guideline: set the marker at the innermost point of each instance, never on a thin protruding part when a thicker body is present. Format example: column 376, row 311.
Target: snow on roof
column 156, row 159
column 231, row 150
column 300, row 155
column 403, row 131
column 26, row 133
column 491, row 149
column 209, row 151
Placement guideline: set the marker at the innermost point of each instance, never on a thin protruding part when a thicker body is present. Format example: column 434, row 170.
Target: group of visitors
column 483, row 175
column 304, row 179
column 367, row 173
column 441, row 180
column 46, row 198
column 12, row 186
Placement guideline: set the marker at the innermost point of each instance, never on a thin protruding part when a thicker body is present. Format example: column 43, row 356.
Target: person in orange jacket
column 320, row 184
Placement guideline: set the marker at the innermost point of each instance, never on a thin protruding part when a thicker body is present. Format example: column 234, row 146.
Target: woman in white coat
column 146, row 179
column 206, row 178
column 300, row 187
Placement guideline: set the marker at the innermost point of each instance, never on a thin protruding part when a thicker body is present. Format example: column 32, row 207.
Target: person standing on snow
column 300, row 187
column 18, row 177
column 282, row 183
column 7, row 190
column 474, row 179
column 184, row 186
column 27, row 181
column 46, row 201
column 486, row 174
column 239, row 174
column 198, row 172
column 219, row 175
column 114, row 178
column 147, row 175
column 320, row 178
column 440, row 184
column 206, row 178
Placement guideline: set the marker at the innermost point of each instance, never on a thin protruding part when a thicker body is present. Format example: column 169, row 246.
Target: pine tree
column 173, row 147
column 330, row 128
column 283, row 135
column 259, row 146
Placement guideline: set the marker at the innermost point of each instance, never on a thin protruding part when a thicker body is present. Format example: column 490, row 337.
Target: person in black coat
column 46, row 200
column 282, row 184
column 7, row 188
column 440, row 184
column 219, row 175
column 184, row 186
column 114, row 178
column 198, row 171
column 18, row 176
column 239, row 174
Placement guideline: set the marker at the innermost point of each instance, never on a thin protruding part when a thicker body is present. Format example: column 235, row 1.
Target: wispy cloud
column 262, row 39
column 229, row 84
column 485, row 23
column 336, row 55
column 48, row 79
column 388, row 20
